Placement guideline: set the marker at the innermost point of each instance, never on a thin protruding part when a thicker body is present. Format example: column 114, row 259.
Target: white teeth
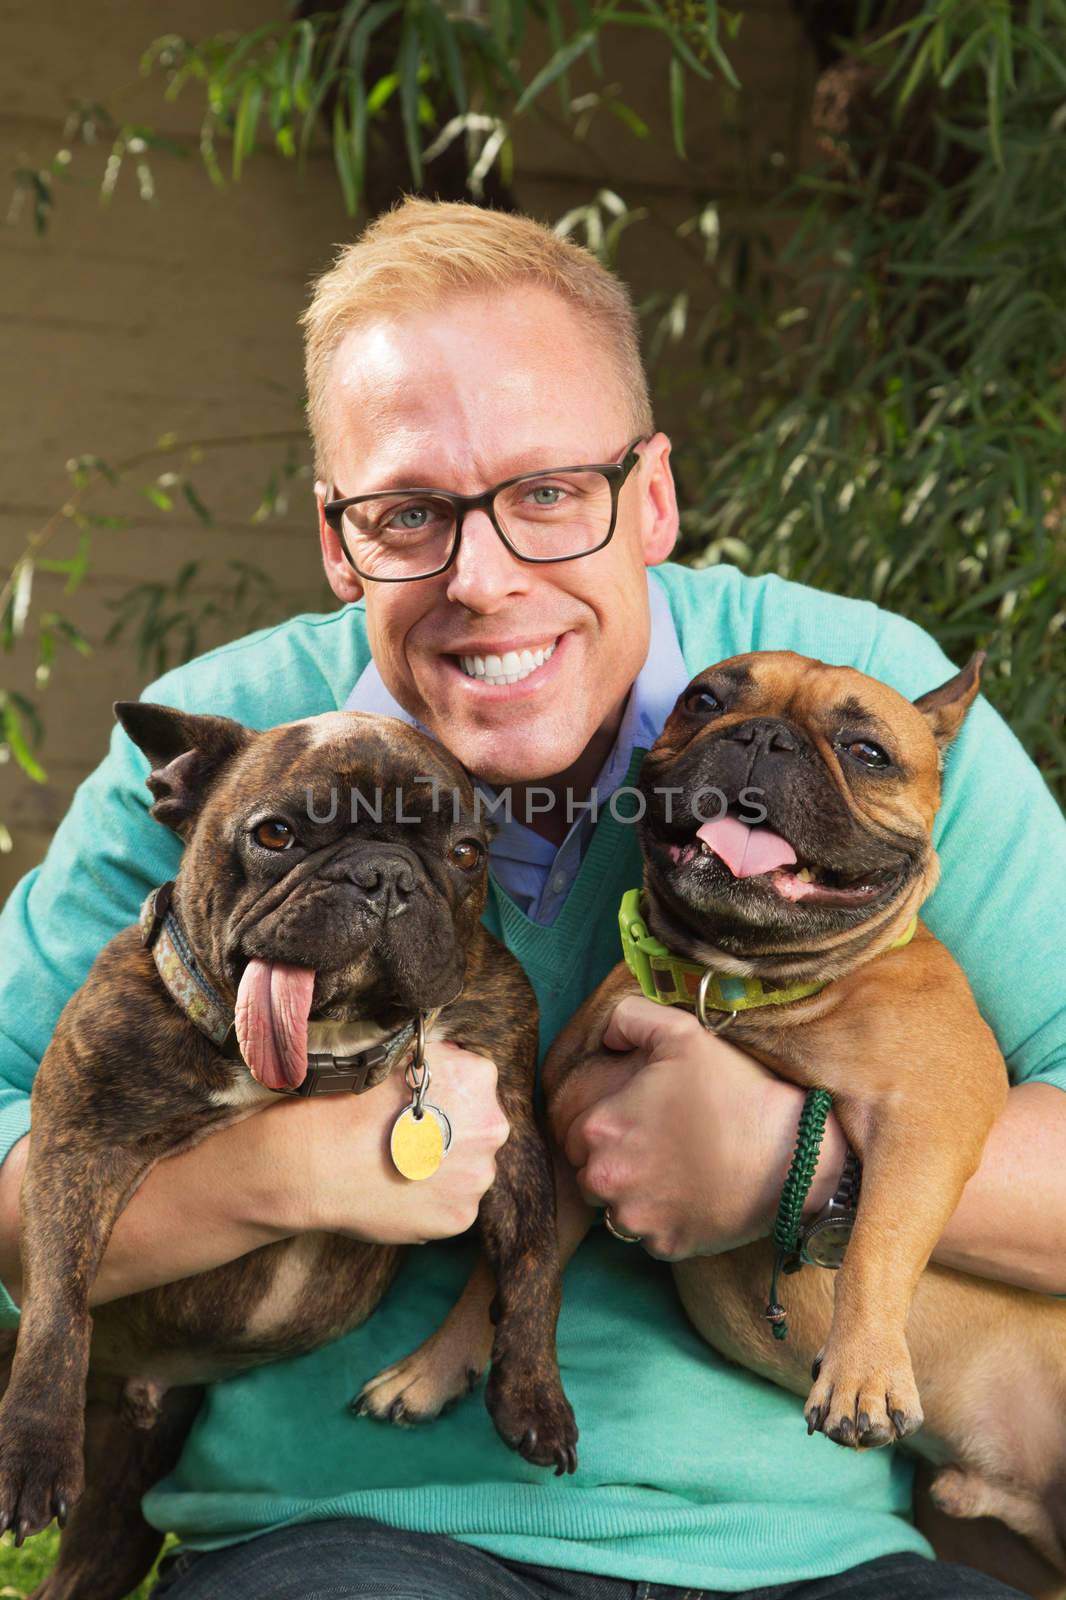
column 511, row 667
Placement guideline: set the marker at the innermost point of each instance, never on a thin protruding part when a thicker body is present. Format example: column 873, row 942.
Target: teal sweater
column 691, row 1471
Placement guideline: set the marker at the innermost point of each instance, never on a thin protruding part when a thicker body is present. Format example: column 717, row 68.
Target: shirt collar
column 654, row 692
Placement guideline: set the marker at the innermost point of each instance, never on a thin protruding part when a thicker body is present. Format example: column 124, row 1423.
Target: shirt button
column 559, row 882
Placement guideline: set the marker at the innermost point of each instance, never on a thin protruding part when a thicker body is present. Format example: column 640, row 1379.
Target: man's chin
column 520, row 753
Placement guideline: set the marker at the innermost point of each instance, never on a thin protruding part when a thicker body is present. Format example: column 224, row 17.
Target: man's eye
column 274, row 835
column 546, row 495
column 468, row 854
column 702, row 702
column 409, row 519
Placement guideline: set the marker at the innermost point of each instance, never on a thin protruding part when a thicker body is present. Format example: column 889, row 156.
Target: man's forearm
column 1010, row 1222
column 315, row 1164
column 193, row 1212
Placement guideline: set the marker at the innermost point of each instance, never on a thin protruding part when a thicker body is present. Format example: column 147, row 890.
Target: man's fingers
column 639, row 1024
column 585, row 1088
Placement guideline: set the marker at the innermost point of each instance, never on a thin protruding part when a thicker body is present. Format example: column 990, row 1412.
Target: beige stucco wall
column 125, row 322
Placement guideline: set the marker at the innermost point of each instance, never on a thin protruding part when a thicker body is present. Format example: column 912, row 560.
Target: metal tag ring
column 701, row 1007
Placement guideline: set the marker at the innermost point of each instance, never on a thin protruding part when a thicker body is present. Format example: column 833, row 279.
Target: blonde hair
column 408, row 258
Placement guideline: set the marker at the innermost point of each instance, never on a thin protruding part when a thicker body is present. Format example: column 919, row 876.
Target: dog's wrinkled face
column 790, row 803
column 334, row 868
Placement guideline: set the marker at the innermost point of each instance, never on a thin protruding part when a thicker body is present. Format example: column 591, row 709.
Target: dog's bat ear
column 186, row 754
column 945, row 708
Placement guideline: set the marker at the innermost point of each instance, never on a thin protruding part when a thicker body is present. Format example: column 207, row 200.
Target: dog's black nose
column 386, row 882
column 764, row 733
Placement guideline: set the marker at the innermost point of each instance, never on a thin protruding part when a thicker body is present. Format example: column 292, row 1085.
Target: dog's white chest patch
column 243, row 1092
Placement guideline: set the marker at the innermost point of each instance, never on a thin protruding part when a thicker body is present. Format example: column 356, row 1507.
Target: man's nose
column 484, row 572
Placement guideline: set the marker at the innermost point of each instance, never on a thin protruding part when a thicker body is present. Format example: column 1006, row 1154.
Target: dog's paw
column 41, row 1476
column 533, row 1416
column 418, row 1388
column 864, row 1397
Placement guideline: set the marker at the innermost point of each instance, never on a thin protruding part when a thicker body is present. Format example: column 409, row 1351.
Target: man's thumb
column 636, row 1024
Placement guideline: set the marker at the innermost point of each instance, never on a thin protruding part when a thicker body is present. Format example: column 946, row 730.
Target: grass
column 22, row 1570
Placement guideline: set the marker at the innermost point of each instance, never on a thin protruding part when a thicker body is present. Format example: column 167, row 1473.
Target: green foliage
column 896, row 430
column 876, row 409
column 167, row 617
column 344, row 67
column 23, row 1569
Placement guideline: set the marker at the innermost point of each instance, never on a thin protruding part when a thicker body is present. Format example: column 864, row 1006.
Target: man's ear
column 186, row 754
column 945, row 708
column 340, row 574
column 659, row 512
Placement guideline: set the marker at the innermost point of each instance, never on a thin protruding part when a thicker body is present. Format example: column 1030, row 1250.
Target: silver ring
column 626, row 1238
column 701, row 1007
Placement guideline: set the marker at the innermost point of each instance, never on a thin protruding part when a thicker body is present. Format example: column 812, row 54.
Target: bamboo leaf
column 382, row 93
column 16, row 742
column 342, row 159
column 677, row 105
column 409, row 96
column 714, row 45
column 560, row 62
column 246, row 125
column 22, row 594
column 995, row 108
column 444, row 32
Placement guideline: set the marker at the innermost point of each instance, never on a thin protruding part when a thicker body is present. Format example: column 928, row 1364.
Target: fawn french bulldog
column 809, row 917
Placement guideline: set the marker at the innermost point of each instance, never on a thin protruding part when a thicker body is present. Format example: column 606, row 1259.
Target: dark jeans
column 349, row 1557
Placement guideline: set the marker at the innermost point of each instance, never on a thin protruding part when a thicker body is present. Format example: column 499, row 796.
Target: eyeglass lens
column 547, row 517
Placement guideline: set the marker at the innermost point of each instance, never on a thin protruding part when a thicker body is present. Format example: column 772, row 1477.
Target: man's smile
column 488, row 673
column 507, row 664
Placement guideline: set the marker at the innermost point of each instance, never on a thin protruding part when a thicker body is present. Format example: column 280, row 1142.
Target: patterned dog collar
column 329, row 1071
column 670, row 981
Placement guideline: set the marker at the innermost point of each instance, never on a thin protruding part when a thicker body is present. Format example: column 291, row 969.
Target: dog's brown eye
column 275, row 835
column 467, row 854
column 702, row 702
column 871, row 755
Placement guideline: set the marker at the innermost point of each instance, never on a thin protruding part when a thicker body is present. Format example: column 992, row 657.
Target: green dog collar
column 671, row 981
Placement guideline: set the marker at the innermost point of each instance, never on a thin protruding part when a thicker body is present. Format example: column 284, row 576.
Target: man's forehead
column 463, row 400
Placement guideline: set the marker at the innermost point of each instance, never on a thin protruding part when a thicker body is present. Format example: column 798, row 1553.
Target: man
column 451, row 349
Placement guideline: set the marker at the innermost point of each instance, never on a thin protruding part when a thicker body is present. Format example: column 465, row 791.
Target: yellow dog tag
column 419, row 1143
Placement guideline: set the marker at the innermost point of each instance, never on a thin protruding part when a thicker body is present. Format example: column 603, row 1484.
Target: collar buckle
column 328, row 1074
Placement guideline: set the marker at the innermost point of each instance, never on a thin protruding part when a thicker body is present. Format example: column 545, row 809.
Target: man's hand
column 686, row 1138
column 345, row 1179
column 300, row 1165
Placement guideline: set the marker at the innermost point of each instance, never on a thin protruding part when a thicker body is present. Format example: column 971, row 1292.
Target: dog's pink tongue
column 746, row 851
column 273, row 1003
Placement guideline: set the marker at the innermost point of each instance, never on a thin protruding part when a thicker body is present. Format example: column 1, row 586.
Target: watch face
column 825, row 1242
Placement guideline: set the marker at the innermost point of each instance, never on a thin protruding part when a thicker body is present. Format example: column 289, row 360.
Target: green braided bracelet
column 794, row 1192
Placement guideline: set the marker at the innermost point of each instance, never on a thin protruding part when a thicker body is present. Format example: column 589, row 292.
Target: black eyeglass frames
column 557, row 514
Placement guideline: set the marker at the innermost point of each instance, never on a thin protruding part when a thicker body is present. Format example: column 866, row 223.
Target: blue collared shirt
column 535, row 873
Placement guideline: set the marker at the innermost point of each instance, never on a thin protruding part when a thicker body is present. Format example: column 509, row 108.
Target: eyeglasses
column 398, row 535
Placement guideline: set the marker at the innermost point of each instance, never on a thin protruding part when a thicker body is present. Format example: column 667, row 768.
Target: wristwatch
column 823, row 1240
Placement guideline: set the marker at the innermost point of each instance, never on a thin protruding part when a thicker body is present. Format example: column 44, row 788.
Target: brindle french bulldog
column 301, row 926
column 823, row 891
